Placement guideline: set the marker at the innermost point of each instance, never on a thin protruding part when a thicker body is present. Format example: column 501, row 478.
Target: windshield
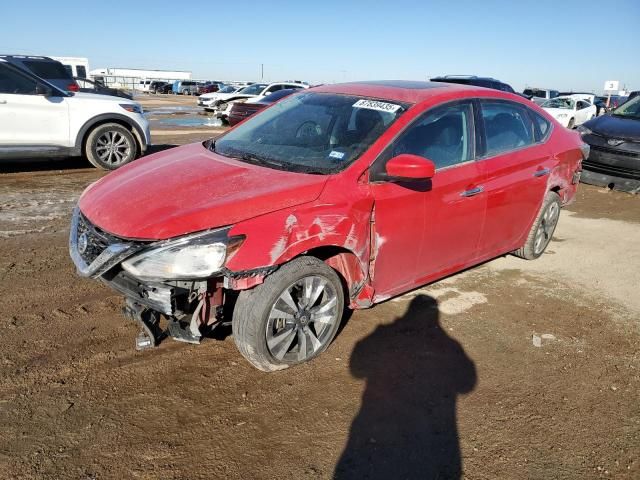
column 227, row 89
column 559, row 103
column 629, row 109
column 254, row 89
column 310, row 132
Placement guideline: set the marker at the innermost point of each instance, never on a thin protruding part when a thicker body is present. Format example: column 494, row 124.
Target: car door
column 582, row 112
column 423, row 228
column 27, row 117
column 517, row 165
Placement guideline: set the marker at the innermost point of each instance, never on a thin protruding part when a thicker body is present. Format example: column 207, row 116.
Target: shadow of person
column 406, row 427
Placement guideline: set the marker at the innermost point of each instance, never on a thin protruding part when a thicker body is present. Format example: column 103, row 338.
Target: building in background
column 132, row 78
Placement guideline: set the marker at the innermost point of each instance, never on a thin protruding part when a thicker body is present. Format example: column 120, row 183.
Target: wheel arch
column 346, row 264
column 89, row 125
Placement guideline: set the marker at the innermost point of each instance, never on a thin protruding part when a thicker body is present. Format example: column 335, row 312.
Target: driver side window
column 442, row 135
column 13, row 83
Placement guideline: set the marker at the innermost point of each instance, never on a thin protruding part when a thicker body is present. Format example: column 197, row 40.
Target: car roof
column 407, row 91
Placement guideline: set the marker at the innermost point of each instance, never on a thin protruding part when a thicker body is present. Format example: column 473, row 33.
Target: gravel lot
column 444, row 375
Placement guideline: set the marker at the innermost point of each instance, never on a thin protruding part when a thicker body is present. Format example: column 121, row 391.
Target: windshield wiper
column 252, row 157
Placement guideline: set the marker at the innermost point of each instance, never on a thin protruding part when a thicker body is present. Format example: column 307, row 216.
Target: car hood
column 618, row 127
column 188, row 189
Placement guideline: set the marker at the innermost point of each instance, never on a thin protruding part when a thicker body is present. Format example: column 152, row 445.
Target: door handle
column 542, row 173
column 3, row 102
column 472, row 192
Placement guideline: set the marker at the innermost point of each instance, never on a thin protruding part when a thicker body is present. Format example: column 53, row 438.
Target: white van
column 75, row 66
column 143, row 86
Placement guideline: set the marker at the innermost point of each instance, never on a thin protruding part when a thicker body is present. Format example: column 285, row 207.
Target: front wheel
column 110, row 146
column 542, row 228
column 290, row 318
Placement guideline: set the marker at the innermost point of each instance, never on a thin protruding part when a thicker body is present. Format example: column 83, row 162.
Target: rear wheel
column 290, row 318
column 110, row 146
column 542, row 229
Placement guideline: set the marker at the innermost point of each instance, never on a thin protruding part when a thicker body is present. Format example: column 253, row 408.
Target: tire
column 542, row 229
column 265, row 328
column 99, row 140
column 571, row 124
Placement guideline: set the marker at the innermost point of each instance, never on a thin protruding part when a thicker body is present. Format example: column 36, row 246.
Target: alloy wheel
column 546, row 228
column 113, row 148
column 302, row 319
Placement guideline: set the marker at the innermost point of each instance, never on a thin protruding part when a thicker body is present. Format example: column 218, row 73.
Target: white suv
column 38, row 119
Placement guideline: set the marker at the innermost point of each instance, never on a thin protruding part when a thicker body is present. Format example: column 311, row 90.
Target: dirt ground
column 448, row 375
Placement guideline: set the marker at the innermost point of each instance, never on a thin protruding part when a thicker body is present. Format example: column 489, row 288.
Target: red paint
column 410, row 166
column 187, row 189
column 383, row 237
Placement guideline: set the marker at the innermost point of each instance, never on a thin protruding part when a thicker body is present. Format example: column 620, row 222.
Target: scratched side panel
column 339, row 218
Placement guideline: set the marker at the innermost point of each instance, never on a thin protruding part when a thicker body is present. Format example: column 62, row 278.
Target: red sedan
column 341, row 196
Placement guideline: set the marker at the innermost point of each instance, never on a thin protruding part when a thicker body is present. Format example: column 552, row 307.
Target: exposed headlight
column 132, row 107
column 584, row 130
column 194, row 256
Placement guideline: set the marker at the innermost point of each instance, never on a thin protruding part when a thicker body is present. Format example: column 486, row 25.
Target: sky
column 565, row 45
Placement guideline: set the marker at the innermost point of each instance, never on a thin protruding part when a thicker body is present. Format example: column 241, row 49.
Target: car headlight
column 132, row 107
column 191, row 257
column 584, row 130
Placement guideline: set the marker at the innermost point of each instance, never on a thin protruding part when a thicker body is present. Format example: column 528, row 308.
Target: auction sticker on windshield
column 374, row 105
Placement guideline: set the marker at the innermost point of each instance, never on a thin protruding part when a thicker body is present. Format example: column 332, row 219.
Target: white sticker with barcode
column 375, row 105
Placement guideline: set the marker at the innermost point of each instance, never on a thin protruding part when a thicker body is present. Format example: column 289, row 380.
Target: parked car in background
column 540, row 95
column 165, row 89
column 285, row 218
column 209, row 87
column 615, row 148
column 185, row 87
column 255, row 93
column 614, row 101
column 570, row 112
column 156, row 86
column 242, row 110
column 601, row 105
column 39, row 119
column 44, row 67
column 486, row 82
column 210, row 100
column 89, row 86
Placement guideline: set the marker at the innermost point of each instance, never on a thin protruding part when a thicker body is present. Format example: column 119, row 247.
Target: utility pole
column 261, row 71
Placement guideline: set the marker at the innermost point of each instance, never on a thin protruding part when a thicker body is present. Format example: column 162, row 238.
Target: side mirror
column 43, row 90
column 410, row 167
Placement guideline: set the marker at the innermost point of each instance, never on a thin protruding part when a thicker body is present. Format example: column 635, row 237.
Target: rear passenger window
column 13, row 83
column 507, row 127
column 441, row 135
column 543, row 126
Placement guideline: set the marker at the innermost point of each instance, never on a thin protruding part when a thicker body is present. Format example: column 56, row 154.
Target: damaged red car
column 337, row 197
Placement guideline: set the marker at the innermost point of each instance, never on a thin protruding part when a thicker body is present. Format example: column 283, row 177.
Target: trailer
column 135, row 78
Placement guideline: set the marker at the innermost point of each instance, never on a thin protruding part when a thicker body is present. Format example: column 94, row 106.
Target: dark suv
column 486, row 82
column 46, row 68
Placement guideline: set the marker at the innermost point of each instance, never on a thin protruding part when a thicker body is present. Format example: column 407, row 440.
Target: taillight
column 73, row 87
